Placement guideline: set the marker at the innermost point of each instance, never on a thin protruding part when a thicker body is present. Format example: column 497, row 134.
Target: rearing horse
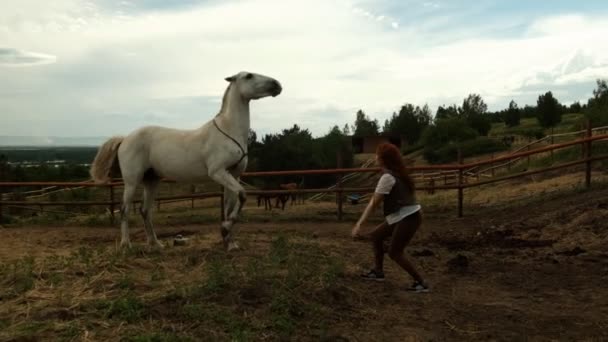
column 216, row 150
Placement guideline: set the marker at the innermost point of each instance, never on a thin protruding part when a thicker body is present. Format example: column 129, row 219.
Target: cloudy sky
column 105, row 67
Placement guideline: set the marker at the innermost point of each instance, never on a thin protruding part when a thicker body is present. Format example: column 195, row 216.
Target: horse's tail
column 105, row 160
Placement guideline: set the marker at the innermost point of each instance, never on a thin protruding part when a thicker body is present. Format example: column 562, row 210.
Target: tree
column 575, row 108
column 512, row 115
column 597, row 106
column 292, row 149
column 329, row 146
column 346, row 130
column 387, row 123
column 548, row 110
column 445, row 113
column 410, row 122
column 20, row 175
column 252, row 137
column 254, row 150
column 474, row 110
column 528, row 111
column 4, row 169
column 295, row 149
column 365, row 126
column 445, row 132
column 473, row 104
column 425, row 117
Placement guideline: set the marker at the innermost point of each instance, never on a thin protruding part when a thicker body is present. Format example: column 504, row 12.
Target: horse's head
column 254, row 86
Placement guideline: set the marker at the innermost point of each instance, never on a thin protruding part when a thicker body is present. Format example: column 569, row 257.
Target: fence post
column 339, row 192
column 460, row 192
column 112, row 218
column 584, row 134
column 588, row 156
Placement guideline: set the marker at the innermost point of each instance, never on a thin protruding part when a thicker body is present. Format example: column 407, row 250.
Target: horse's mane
column 224, row 99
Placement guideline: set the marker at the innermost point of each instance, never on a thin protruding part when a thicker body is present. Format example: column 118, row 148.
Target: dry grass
column 180, row 294
column 531, row 270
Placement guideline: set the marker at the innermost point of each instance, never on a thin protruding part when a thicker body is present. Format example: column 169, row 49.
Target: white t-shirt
column 384, row 186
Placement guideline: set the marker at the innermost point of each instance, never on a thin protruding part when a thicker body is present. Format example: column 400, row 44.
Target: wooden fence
column 459, row 169
column 490, row 170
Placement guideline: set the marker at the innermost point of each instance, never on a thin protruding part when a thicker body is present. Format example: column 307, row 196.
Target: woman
column 402, row 216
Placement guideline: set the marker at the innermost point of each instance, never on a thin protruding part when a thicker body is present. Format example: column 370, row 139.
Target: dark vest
column 399, row 196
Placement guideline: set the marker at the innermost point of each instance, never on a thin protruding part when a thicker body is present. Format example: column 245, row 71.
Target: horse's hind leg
column 127, row 202
column 150, row 191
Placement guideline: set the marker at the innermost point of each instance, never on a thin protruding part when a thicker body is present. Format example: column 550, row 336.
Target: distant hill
column 41, row 141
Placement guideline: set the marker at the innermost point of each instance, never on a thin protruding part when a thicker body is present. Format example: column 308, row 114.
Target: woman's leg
column 402, row 234
column 377, row 237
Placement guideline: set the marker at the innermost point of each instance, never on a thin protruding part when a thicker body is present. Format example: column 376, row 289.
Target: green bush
column 449, row 153
column 411, row 148
column 446, row 131
column 535, row 133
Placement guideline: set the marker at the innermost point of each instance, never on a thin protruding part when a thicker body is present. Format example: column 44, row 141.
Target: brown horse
column 267, row 198
column 294, row 196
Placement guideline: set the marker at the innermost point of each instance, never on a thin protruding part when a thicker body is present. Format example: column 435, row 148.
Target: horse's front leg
column 234, row 199
column 232, row 207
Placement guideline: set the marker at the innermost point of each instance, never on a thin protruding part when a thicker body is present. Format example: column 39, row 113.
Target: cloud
column 120, row 66
column 377, row 17
column 14, row 57
column 571, row 80
column 431, row 4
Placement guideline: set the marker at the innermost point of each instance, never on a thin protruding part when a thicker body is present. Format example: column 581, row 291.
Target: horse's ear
column 231, row 78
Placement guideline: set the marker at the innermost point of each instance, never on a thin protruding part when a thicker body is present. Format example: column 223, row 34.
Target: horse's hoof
column 233, row 246
column 180, row 241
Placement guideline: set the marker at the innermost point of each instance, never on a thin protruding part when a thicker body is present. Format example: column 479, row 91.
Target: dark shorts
column 399, row 234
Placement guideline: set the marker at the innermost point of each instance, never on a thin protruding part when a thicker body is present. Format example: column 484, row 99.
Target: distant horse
column 268, row 201
column 217, row 150
column 267, row 198
column 291, row 186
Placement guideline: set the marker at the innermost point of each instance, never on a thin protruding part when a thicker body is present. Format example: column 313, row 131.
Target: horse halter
column 236, row 142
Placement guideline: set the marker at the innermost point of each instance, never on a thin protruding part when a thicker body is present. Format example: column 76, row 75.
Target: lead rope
column 236, row 142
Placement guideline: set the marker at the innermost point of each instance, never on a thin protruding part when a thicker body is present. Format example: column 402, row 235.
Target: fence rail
column 459, row 171
column 490, row 171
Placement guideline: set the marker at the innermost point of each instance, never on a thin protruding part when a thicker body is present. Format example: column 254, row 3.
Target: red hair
column 391, row 159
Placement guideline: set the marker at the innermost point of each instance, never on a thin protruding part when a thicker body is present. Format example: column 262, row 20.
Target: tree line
column 439, row 136
column 466, row 127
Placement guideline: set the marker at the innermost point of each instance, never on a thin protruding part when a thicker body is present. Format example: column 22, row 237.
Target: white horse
column 217, row 150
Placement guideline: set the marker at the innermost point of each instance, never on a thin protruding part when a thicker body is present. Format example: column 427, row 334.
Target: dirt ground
column 533, row 271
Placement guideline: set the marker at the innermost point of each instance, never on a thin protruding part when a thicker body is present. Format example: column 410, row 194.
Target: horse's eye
column 249, row 76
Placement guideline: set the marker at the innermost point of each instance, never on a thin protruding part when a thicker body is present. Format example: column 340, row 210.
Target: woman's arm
column 371, row 206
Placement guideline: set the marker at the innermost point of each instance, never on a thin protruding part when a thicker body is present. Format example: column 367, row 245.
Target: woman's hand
column 373, row 203
column 355, row 233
